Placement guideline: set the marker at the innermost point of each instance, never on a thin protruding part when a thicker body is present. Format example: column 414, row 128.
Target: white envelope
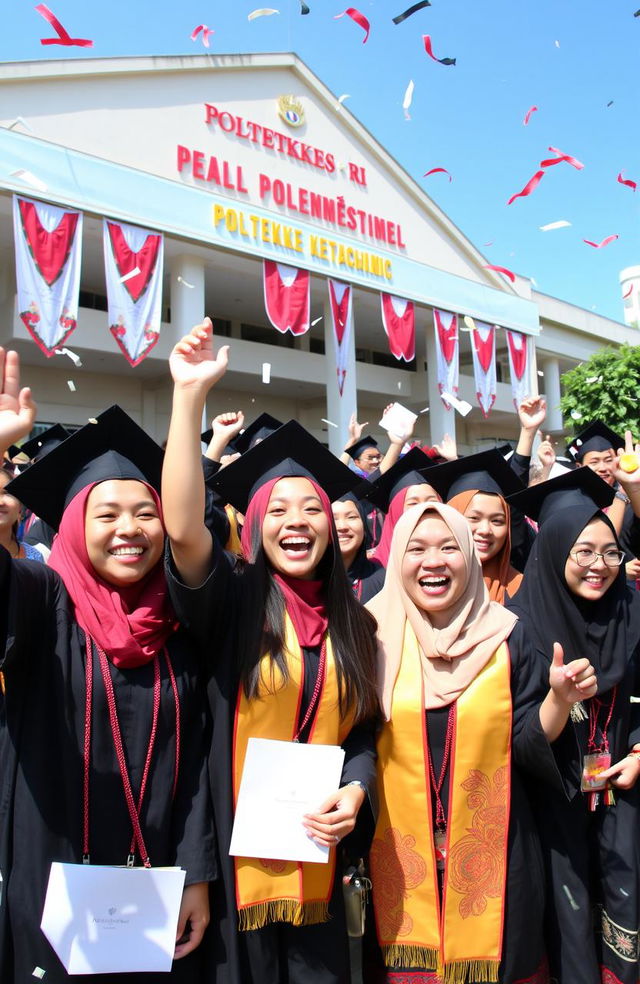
column 281, row 781
column 398, row 420
column 107, row 920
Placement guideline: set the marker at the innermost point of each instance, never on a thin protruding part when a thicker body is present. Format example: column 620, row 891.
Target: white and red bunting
column 48, row 249
column 287, row 292
column 341, row 304
column 398, row 319
column 445, row 326
column 133, row 260
column 522, row 366
column 483, row 349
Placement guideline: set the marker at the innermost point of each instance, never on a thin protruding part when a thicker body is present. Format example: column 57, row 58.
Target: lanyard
column 137, row 839
column 595, row 706
column 357, row 588
column 436, row 785
column 322, row 666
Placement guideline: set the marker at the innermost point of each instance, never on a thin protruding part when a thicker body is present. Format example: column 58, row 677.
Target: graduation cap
column 596, row 437
column 261, row 428
column 114, row 447
column 289, row 451
column 575, row 488
column 365, row 442
column 409, row 470
column 486, row 471
column 48, row 441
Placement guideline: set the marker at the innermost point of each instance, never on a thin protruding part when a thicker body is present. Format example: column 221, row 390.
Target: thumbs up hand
column 572, row 682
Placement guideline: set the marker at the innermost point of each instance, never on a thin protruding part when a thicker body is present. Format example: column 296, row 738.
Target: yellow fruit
column 629, row 462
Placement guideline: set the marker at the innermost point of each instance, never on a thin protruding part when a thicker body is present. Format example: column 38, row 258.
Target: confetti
column 399, row 384
column 508, row 273
column 470, row 323
column 343, row 97
column 91, row 420
column 637, row 13
column 38, row 972
column 129, row 276
column 557, row 44
column 71, row 385
column 29, row 179
column 411, row 10
column 437, row 170
column 605, row 242
column 528, row 115
column 626, row 181
column 594, row 379
column 628, row 292
column 576, row 415
column 185, row 283
column 461, row 406
column 206, row 34
column 359, row 19
column 560, row 224
column 490, row 243
column 429, row 50
column 610, row 103
column 572, row 902
column 77, row 361
column 529, row 187
column 406, row 102
column 329, row 422
column 262, row 12
column 266, row 372
column 304, row 9
column 560, row 158
column 426, row 410
column 63, row 35
column 316, row 320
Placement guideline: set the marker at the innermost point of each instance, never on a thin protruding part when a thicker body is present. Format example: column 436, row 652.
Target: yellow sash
column 460, row 938
column 284, row 891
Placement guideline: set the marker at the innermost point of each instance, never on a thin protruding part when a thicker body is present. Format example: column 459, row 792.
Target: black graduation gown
column 366, row 577
column 211, row 613
column 42, row 656
column 523, row 951
column 592, row 859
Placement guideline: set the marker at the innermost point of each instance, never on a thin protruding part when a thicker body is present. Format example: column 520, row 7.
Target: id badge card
column 440, row 845
column 593, row 766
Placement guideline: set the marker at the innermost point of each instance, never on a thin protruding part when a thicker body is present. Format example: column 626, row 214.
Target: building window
column 266, row 336
column 96, row 302
column 316, row 345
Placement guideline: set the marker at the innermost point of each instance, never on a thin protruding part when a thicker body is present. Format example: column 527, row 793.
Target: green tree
column 606, row 388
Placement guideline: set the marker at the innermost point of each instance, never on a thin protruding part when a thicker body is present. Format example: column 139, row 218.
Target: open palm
column 193, row 362
column 17, row 409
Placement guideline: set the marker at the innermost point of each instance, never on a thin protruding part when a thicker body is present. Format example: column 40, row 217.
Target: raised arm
column 17, row 409
column 194, row 369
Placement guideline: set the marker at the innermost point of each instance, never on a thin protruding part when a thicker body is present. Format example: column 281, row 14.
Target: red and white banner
column 287, row 297
column 483, row 349
column 133, row 259
column 522, row 366
column 398, row 319
column 48, row 245
column 341, row 302
column 445, row 326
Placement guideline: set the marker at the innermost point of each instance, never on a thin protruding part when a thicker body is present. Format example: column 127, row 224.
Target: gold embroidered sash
column 271, row 890
column 460, row 935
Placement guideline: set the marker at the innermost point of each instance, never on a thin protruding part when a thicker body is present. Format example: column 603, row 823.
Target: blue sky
column 568, row 58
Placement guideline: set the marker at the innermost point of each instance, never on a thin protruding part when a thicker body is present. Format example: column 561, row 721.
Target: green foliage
column 606, row 388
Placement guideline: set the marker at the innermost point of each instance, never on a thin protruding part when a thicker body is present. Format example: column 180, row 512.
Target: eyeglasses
column 585, row 558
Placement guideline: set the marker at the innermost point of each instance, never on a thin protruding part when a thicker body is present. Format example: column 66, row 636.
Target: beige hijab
column 451, row 657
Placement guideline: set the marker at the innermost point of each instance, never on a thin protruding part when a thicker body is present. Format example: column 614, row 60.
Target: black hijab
column 605, row 631
column 361, row 567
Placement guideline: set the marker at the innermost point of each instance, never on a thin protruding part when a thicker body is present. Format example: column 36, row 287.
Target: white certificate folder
column 107, row 920
column 281, row 781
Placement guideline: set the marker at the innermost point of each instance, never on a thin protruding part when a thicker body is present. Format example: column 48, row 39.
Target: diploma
column 106, row 920
column 281, row 781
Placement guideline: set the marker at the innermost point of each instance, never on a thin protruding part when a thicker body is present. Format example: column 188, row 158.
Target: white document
column 461, row 406
column 398, row 420
column 107, row 920
column 281, row 781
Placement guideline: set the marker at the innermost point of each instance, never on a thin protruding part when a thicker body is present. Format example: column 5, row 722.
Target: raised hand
column 546, row 454
column 193, row 363
column 532, row 413
column 228, row 425
column 623, row 469
column 17, row 408
column 574, row 682
column 355, row 429
column 447, row 448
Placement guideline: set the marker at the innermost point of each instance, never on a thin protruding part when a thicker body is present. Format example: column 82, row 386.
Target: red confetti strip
column 64, row 37
column 529, row 187
column 560, row 158
column 529, row 114
column 628, row 292
column 206, row 34
column 429, row 50
column 508, row 273
column 626, row 181
column 437, row 170
column 359, row 19
column 605, row 242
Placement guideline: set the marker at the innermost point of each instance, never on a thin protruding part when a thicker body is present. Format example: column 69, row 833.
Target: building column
column 441, row 420
column 339, row 408
column 551, row 389
column 187, row 303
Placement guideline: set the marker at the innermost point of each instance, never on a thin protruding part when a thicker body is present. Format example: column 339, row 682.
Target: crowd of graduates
column 466, row 628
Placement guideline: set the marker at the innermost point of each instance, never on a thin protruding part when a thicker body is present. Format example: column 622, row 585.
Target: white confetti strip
column 266, row 372
column 408, row 97
column 262, row 12
column 185, row 283
column 77, row 361
column 426, row 410
column 560, row 224
column 71, row 385
column 469, row 322
column 38, row 972
column 316, row 320
column 461, row 406
column 576, row 415
column 572, row 902
column 329, row 422
column 129, row 276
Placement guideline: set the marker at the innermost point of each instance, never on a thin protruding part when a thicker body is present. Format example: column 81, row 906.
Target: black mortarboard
column 409, row 470
column 486, row 471
column 114, row 447
column 261, row 428
column 596, row 437
column 48, row 441
column 289, row 451
column 574, row 488
column 365, row 442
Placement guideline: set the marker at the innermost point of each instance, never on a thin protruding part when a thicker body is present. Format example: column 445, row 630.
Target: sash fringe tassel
column 456, row 972
column 408, row 955
column 462, row 971
column 282, row 910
